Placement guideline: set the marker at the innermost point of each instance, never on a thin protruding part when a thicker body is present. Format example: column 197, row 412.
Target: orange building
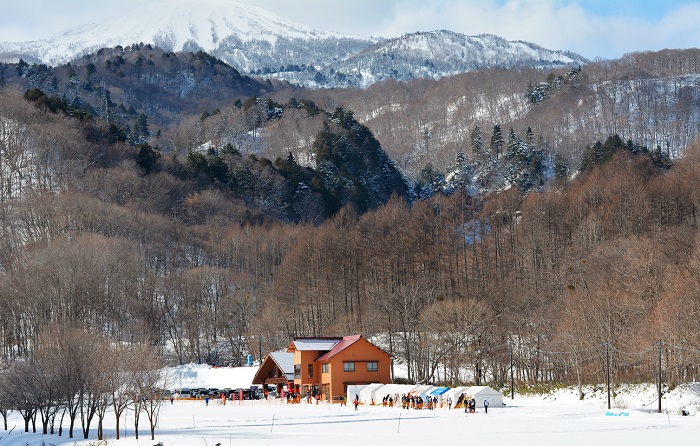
column 325, row 367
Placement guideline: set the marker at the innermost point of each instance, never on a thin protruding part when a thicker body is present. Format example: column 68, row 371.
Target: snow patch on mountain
column 429, row 55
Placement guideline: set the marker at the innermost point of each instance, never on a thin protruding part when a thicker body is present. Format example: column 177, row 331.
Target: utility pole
column 512, row 387
column 607, row 370
column 478, row 368
column 658, row 382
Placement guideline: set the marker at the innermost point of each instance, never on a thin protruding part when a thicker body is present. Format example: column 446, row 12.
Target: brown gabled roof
column 281, row 360
column 346, row 342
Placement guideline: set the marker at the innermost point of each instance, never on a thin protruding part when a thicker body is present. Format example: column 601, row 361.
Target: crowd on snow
column 429, row 402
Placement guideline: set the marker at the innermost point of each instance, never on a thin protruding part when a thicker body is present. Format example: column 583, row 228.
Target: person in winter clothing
column 486, row 406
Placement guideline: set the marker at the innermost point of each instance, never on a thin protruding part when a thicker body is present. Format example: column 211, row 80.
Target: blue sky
column 648, row 9
column 592, row 28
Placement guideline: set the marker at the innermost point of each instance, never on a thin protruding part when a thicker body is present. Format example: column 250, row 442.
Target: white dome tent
column 481, row 393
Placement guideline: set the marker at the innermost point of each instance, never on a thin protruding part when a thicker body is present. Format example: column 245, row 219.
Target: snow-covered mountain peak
column 173, row 25
column 486, row 49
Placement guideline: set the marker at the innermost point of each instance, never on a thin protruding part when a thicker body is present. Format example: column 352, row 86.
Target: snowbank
column 192, row 376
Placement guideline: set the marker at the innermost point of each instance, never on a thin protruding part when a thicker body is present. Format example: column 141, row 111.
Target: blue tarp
column 439, row 391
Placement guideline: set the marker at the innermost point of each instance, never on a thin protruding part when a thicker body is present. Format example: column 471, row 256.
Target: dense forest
column 215, row 236
column 97, row 236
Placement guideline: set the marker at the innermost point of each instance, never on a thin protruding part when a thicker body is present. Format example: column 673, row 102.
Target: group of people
column 470, row 405
column 411, row 401
column 430, row 402
column 417, row 402
column 293, row 398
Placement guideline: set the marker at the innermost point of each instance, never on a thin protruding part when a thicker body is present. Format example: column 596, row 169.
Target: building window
column 348, row 366
column 372, row 366
column 311, row 370
column 326, row 368
column 297, row 371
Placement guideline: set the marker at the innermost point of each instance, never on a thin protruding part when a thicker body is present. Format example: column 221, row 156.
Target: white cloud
column 553, row 24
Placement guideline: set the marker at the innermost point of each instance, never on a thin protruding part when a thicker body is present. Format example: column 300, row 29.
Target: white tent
column 368, row 393
column 354, row 389
column 481, row 393
column 454, row 394
column 425, row 391
column 395, row 391
column 440, row 393
column 421, row 389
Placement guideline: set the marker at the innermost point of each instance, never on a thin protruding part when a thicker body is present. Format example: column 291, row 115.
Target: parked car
column 248, row 394
column 199, row 393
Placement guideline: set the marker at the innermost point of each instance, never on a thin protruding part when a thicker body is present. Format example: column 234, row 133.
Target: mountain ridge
column 259, row 42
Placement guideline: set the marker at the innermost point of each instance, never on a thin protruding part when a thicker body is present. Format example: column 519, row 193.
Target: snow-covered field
column 559, row 418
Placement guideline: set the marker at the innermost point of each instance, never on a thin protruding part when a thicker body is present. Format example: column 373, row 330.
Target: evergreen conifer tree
column 497, row 141
column 462, row 171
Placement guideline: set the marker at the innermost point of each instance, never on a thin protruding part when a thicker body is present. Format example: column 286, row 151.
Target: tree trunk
column 117, row 417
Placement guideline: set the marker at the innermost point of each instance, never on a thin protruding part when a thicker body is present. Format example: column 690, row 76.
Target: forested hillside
column 215, row 254
column 651, row 98
column 187, row 100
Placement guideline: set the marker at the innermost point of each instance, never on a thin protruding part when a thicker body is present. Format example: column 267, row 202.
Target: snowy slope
column 439, row 53
column 433, row 55
column 193, row 376
column 483, row 49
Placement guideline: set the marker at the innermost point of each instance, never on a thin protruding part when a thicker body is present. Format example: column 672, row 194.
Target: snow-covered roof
column 396, row 389
column 482, row 390
column 285, row 361
column 320, row 344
